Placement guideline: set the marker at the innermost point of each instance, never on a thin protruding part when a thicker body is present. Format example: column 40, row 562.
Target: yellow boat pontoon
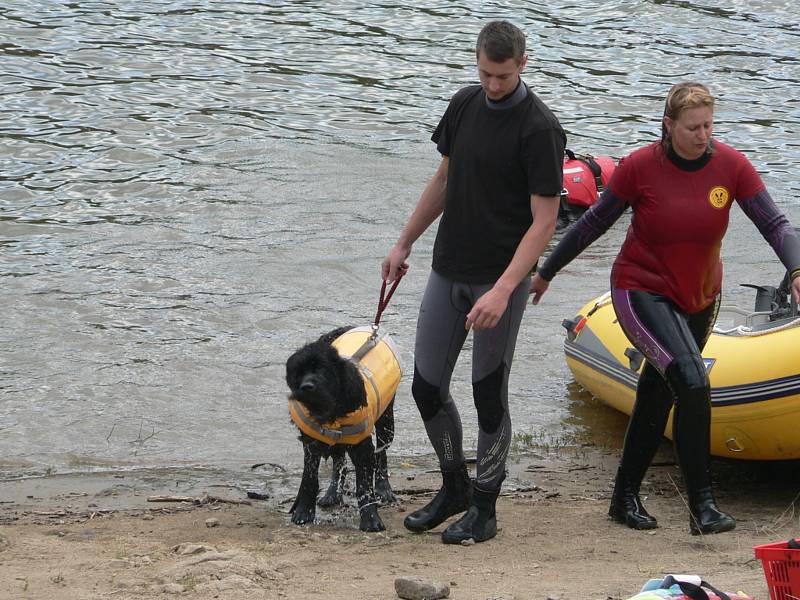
column 753, row 362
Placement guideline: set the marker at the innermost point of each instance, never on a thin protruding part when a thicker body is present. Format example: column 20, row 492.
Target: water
column 190, row 190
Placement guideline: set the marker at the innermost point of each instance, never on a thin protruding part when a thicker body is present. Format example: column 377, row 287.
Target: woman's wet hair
column 683, row 96
column 499, row 41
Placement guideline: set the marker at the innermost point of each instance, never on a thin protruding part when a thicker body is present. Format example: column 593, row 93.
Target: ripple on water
column 192, row 190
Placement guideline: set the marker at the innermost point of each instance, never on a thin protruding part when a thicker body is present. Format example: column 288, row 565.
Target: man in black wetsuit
column 502, row 155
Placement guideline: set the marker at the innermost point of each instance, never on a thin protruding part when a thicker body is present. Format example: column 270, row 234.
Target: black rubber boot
column 642, row 438
column 626, row 506
column 691, row 433
column 480, row 521
column 453, row 498
column 705, row 517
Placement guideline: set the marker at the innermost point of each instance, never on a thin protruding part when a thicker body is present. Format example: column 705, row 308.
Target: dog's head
column 328, row 385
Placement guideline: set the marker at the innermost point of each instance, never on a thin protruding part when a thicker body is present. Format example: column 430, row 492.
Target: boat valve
column 573, row 326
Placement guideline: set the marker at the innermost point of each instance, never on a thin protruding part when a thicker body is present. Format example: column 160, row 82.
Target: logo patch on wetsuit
column 718, row 197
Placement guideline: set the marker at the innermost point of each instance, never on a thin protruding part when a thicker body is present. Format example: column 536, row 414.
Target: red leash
column 372, row 340
column 383, row 302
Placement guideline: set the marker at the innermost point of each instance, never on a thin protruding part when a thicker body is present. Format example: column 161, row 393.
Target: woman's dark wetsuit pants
column 671, row 341
column 440, row 338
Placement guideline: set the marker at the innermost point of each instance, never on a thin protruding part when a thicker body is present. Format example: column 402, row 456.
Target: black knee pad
column 488, row 401
column 687, row 376
column 427, row 396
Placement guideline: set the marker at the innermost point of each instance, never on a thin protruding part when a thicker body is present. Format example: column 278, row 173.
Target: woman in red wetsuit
column 665, row 286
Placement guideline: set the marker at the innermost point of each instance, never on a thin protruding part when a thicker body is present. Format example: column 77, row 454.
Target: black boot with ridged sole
column 480, row 521
column 453, row 498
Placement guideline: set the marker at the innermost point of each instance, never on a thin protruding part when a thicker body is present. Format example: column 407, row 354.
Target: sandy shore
column 102, row 536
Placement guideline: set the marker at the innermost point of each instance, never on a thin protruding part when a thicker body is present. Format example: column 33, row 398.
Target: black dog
column 330, row 386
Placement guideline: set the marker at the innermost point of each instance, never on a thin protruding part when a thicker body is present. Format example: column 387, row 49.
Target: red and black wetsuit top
column 680, row 215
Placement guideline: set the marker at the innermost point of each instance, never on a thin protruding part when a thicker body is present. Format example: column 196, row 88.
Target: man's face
column 498, row 79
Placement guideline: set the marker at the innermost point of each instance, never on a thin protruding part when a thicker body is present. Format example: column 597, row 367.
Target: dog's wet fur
column 330, row 387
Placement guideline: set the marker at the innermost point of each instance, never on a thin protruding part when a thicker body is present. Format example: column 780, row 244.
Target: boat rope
column 601, row 302
column 746, row 331
column 740, row 330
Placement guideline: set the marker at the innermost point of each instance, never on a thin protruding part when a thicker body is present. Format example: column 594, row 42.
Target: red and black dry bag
column 585, row 177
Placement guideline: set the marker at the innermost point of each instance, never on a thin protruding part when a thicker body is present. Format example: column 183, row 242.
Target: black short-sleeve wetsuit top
column 498, row 157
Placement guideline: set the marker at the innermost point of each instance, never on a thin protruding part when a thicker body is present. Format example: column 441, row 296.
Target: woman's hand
column 538, row 288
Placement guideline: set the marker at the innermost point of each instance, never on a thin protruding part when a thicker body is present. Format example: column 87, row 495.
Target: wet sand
column 104, row 536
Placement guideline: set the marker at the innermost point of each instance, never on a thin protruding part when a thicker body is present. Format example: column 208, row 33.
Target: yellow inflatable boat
column 753, row 362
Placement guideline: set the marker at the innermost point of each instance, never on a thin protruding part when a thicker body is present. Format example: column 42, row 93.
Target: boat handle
column 734, row 445
column 634, row 357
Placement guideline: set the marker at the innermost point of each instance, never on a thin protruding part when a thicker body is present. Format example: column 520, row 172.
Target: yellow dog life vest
column 378, row 362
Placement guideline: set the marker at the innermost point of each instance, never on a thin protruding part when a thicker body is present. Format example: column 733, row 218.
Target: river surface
column 190, row 190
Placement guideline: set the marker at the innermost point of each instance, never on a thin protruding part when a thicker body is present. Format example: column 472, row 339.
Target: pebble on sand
column 417, row 588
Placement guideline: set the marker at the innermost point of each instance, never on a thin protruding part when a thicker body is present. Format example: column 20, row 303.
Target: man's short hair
column 499, row 41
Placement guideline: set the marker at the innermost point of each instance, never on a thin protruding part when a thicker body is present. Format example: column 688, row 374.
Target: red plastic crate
column 782, row 570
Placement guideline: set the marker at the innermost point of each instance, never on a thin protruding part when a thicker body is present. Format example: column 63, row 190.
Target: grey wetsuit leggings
column 440, row 338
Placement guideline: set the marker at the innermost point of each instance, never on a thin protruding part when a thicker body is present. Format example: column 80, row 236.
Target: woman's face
column 691, row 132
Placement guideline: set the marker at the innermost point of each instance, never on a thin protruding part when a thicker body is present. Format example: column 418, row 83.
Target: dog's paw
column 331, row 498
column 384, row 492
column 371, row 520
column 303, row 513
